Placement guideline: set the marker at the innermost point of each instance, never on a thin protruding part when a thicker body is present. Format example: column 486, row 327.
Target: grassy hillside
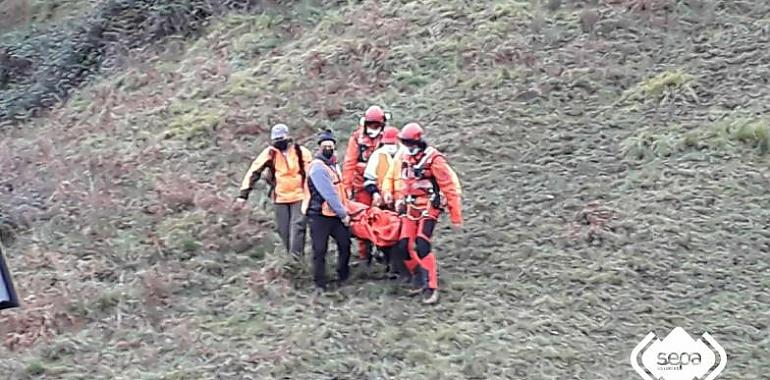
column 614, row 163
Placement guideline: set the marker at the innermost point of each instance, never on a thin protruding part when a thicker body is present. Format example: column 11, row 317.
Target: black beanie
column 326, row 136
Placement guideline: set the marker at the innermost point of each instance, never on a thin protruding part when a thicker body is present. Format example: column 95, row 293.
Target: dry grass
column 133, row 266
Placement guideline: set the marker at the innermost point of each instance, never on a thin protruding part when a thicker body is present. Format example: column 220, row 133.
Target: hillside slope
column 614, row 165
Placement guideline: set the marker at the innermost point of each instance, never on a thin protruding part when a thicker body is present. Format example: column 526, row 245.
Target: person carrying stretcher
column 374, row 175
column 415, row 182
column 361, row 145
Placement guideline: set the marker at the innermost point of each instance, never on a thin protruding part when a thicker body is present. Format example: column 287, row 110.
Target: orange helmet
column 411, row 132
column 374, row 114
column 390, row 135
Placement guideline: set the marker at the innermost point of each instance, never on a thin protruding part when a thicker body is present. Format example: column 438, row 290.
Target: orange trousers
column 417, row 228
column 364, row 246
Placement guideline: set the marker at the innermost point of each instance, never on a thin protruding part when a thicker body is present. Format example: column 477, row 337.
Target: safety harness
column 434, row 192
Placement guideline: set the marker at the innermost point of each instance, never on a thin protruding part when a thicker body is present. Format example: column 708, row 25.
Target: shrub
column 41, row 68
column 663, row 86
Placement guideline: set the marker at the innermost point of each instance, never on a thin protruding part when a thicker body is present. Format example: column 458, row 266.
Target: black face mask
column 327, row 153
column 281, row 144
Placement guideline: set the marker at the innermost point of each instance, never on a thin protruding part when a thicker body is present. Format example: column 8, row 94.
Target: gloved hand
column 376, row 200
column 346, row 221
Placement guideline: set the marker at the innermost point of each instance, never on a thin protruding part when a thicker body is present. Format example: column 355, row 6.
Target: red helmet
column 374, row 114
column 390, row 135
column 411, row 132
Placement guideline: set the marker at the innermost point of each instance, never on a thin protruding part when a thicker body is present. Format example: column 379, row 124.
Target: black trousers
column 321, row 227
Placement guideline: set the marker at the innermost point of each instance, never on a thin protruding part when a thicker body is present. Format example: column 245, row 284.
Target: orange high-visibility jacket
column 360, row 148
column 378, row 166
column 402, row 181
column 326, row 210
column 393, row 173
column 287, row 175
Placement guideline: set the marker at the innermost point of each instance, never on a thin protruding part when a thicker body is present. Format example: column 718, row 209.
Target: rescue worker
column 416, row 181
column 324, row 204
column 288, row 163
column 362, row 143
column 377, row 168
column 374, row 176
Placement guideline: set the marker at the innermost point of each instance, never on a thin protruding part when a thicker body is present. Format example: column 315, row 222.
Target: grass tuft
column 656, row 85
column 663, row 86
column 35, row 368
column 189, row 123
column 746, row 130
column 729, row 134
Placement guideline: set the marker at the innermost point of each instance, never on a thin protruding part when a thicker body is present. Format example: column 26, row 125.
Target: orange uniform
column 360, row 148
column 418, row 181
column 422, row 181
column 399, row 185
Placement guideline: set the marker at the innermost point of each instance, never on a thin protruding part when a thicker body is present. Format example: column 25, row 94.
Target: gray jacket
column 322, row 188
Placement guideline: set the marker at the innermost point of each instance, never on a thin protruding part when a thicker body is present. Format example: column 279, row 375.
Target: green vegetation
column 656, row 85
column 747, row 130
column 661, row 86
column 730, row 134
column 35, row 368
column 614, row 170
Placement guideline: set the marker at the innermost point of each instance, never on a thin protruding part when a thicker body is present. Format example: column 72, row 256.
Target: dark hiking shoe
column 359, row 261
column 341, row 279
column 379, row 257
column 431, row 296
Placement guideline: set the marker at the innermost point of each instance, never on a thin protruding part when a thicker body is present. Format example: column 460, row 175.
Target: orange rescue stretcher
column 381, row 227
